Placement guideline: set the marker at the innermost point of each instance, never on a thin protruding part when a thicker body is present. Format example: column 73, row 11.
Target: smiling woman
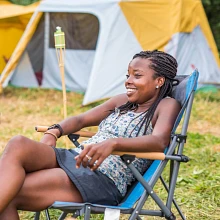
column 138, row 121
column 152, row 72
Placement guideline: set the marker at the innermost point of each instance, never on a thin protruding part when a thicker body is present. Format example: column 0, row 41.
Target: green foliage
column 209, row 96
column 23, row 2
column 196, row 178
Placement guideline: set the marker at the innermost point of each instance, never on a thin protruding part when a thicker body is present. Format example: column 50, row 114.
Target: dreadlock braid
column 165, row 66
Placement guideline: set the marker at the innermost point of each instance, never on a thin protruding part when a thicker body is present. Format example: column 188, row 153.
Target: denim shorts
column 94, row 186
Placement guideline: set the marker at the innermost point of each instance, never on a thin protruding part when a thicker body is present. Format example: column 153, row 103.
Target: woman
column 33, row 175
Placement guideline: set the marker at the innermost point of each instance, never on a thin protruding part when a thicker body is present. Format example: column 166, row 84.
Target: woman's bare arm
column 89, row 118
column 93, row 116
column 162, row 122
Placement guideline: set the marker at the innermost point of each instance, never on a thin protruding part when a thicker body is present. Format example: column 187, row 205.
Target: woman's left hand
column 94, row 154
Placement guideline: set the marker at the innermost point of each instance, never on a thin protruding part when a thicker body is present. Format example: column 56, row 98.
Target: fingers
column 82, row 158
column 95, row 165
column 94, row 162
column 91, row 161
column 88, row 158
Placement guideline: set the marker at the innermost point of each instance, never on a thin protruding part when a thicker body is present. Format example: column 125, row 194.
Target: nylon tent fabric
column 172, row 17
column 13, row 21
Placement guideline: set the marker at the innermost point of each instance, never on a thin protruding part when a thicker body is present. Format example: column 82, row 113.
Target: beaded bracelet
column 48, row 132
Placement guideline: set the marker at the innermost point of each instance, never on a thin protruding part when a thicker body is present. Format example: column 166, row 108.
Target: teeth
column 131, row 90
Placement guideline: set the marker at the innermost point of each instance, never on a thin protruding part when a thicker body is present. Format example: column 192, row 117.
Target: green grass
column 198, row 185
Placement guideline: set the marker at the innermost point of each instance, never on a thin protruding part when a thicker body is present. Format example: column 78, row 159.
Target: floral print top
column 114, row 126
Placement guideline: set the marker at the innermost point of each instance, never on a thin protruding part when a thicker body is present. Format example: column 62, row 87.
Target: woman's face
column 140, row 83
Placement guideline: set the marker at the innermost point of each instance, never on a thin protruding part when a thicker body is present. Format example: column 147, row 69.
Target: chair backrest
column 182, row 92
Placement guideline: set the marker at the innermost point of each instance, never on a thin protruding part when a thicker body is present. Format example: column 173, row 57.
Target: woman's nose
column 128, row 80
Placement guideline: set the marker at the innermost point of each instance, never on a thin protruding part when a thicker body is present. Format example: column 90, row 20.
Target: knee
column 15, row 145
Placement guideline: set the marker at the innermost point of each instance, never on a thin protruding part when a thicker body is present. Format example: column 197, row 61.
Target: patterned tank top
column 114, row 126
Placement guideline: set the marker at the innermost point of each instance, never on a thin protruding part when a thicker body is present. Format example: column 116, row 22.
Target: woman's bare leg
column 22, row 156
column 40, row 190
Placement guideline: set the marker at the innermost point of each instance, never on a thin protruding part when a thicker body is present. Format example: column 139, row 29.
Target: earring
column 157, row 87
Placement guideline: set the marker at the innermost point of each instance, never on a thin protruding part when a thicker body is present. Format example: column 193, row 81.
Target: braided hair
column 165, row 66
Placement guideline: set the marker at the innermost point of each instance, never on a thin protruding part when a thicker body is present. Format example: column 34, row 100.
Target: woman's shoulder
column 170, row 100
column 168, row 103
column 167, row 108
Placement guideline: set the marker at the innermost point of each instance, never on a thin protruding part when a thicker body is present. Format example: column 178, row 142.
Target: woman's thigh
column 42, row 188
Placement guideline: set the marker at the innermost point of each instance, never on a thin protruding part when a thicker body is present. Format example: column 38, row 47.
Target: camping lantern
column 59, row 38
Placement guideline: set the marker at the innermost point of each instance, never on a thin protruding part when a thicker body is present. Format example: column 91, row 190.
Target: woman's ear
column 160, row 81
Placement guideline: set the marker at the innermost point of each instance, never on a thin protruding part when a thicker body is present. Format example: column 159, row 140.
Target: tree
column 23, row 2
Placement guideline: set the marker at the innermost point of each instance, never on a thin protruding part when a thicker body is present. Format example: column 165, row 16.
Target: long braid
column 164, row 65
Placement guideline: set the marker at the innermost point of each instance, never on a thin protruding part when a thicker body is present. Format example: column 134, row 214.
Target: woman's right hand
column 94, row 154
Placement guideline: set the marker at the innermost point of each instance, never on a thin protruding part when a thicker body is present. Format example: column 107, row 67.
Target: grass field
column 198, row 187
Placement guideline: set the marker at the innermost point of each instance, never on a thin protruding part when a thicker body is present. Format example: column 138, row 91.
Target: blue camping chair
column 138, row 194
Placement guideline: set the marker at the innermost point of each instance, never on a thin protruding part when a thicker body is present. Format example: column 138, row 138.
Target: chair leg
column 167, row 212
column 174, row 201
column 87, row 212
column 62, row 216
column 47, row 214
column 37, row 216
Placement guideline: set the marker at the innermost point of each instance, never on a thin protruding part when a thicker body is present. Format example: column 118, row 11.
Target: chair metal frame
column 144, row 188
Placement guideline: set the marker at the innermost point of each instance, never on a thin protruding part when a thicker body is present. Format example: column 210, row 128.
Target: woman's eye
column 137, row 75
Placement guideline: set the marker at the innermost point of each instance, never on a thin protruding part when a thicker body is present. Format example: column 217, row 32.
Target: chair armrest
column 148, row 155
column 40, row 128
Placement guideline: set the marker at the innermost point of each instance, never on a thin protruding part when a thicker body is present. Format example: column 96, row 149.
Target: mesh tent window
column 81, row 30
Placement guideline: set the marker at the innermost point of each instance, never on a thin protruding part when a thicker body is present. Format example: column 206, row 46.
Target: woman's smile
column 130, row 91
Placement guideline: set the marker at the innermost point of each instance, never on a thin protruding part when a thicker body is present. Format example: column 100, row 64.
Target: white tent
column 101, row 38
